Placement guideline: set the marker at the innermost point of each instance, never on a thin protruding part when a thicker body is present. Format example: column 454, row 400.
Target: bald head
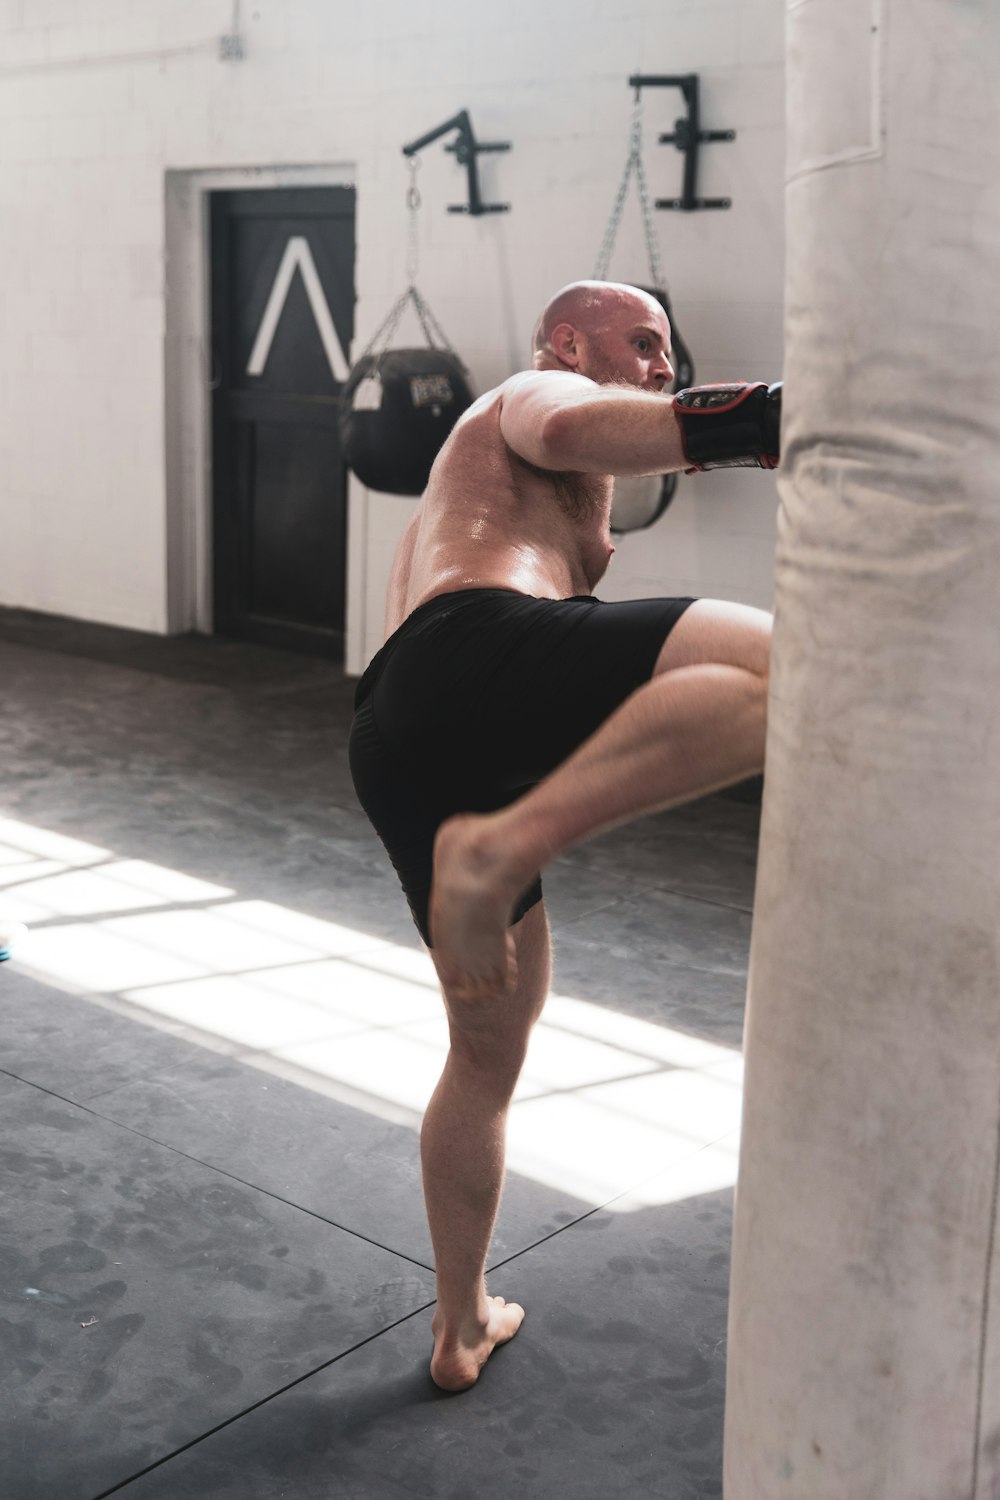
column 607, row 331
column 587, row 306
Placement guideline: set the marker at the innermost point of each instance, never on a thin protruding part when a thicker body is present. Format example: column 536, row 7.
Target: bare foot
column 472, row 899
column 456, row 1362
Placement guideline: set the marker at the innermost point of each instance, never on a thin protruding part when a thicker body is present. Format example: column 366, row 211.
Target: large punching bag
column 864, row 1334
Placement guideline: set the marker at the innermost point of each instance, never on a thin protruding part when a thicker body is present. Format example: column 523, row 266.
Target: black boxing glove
column 730, row 426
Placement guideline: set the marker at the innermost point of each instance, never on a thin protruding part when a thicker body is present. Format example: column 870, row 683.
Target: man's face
column 630, row 346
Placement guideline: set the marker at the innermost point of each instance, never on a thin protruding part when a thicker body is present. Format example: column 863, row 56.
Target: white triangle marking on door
column 297, row 253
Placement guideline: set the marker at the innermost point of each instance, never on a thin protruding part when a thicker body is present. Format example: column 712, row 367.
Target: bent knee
column 718, row 632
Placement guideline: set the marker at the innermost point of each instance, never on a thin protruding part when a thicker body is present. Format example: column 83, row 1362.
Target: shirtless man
column 510, row 715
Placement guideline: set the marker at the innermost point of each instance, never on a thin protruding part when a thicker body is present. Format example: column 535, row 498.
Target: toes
column 513, row 1318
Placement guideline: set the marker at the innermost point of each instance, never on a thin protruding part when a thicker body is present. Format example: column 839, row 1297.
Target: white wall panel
column 99, row 101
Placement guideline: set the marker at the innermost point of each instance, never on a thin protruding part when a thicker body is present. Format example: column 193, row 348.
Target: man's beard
column 603, row 372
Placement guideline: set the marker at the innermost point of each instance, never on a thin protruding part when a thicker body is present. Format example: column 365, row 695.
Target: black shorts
column 478, row 696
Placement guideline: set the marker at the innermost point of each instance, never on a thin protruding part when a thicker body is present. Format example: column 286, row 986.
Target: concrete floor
column 217, row 1043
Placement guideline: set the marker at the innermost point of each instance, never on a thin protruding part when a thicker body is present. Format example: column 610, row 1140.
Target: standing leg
column 462, row 1151
column 695, row 727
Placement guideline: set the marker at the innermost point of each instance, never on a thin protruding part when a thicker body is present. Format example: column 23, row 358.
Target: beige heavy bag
column 864, row 1349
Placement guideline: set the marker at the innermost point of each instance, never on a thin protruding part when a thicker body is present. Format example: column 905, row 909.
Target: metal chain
column 634, row 163
column 383, row 335
column 422, row 311
column 432, row 330
column 413, row 205
column 646, row 202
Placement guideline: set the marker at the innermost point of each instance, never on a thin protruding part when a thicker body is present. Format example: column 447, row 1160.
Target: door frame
column 188, row 391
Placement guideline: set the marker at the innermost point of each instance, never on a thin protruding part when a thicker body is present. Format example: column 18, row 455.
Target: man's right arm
column 566, row 422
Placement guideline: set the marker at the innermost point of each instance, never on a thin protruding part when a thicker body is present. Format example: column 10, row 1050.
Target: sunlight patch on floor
column 611, row 1108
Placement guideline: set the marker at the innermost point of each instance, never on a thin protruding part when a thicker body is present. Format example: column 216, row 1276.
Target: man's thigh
column 715, row 631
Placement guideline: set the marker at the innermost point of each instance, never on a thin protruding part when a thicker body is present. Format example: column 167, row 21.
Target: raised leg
column 698, row 725
column 720, row 632
column 462, row 1151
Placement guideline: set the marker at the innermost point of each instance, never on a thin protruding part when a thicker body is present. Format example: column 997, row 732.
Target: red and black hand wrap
column 730, row 426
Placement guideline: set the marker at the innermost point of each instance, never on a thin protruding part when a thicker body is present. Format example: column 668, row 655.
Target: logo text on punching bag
column 431, row 390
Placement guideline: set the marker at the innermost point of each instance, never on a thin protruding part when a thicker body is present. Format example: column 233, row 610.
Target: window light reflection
column 616, row 1110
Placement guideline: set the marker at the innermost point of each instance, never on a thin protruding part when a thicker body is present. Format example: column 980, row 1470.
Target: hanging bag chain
column 432, row 330
column 412, row 208
column 634, row 164
column 682, row 359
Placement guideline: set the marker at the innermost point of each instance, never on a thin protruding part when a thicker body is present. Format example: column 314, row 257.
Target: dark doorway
column 282, row 321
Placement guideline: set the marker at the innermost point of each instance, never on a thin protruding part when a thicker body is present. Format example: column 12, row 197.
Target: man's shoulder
column 525, row 390
column 550, row 383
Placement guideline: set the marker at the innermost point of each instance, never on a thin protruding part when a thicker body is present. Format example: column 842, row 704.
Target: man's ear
column 564, row 345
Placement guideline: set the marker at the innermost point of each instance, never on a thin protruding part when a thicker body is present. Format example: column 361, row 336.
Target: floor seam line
column 256, row 1405
column 526, row 1250
column 646, row 886
column 601, row 1207
column 222, row 1172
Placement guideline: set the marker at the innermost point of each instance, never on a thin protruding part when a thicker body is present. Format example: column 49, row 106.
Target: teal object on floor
column 10, row 934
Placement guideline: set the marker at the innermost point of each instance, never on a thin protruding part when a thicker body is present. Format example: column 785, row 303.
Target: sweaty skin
column 490, row 519
column 519, row 498
column 520, row 494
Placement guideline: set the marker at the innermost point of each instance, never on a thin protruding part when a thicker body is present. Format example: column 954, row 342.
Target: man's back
column 509, row 719
column 491, row 519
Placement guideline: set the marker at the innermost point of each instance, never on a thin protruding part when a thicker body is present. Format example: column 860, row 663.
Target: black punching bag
column 640, row 501
column 397, row 409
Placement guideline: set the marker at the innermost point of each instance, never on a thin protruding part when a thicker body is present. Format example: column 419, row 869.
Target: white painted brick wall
column 99, row 98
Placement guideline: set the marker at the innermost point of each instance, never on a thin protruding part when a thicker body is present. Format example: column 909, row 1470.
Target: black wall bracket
column 466, row 149
column 687, row 136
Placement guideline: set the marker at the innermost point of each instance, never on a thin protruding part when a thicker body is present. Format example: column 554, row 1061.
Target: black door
column 282, row 321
